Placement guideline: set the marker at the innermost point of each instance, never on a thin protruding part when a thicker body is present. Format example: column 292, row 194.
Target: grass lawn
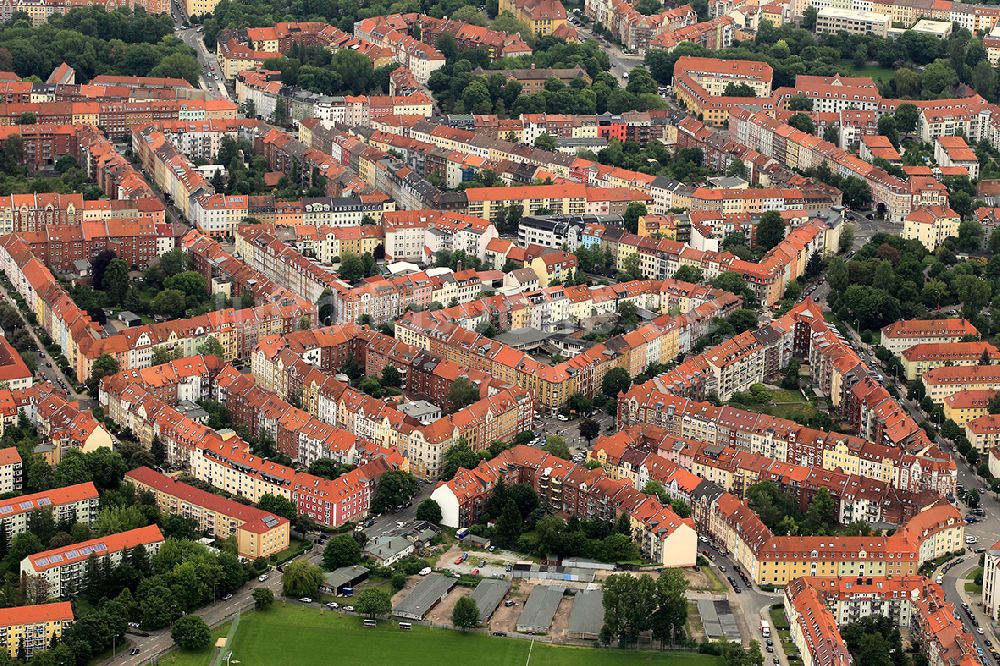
column 295, row 546
column 197, row 658
column 970, row 585
column 294, row 634
column 874, row 71
column 715, row 584
column 695, row 625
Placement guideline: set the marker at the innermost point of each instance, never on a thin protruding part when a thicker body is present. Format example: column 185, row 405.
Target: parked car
column 306, row 600
column 227, row 597
column 349, row 609
column 261, row 578
column 333, row 605
column 134, row 651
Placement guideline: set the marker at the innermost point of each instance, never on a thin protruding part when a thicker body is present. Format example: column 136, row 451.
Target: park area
column 291, row 633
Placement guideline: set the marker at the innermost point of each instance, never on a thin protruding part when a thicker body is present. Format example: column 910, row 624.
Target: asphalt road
column 208, row 62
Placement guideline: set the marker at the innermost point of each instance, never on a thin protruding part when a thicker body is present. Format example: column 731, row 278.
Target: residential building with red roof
column 931, row 225
column 903, row 334
column 571, row 489
column 69, row 504
column 918, row 359
column 60, row 572
column 32, row 629
column 258, row 534
column 817, row 606
column 964, row 406
column 11, row 470
column 942, row 381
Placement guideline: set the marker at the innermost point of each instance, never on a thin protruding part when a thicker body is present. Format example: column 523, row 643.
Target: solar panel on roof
column 72, row 553
column 26, row 505
column 6, row 509
column 56, row 558
column 42, row 561
column 45, row 501
column 100, row 547
column 270, row 521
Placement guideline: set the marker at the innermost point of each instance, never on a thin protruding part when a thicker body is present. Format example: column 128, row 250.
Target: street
column 211, row 74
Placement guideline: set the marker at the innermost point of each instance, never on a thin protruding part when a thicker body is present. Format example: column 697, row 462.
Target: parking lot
column 569, row 429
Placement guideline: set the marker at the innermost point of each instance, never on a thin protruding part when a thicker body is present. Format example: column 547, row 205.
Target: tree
column 278, row 505
column 457, row 457
column 390, row 377
column 670, row 617
column 326, row 468
column 633, row 212
column 615, row 381
column 115, row 280
column 831, row 133
column 738, row 90
column 629, row 604
column 556, row 445
column 212, row 347
column 341, row 550
column 169, row 303
column 589, row 429
column 103, row 366
column 373, row 602
column 743, row 320
column 462, row 393
column 970, row 236
column 821, row 513
column 263, row 598
column 809, row 16
column 191, row 633
column 687, row 273
column 770, row 230
column 803, row 122
column 351, row 268
column 430, row 511
column 301, row 579
column 906, row 117
column 395, row 488
column 466, row 613
column 545, row 141
column 972, row 499
column 508, row 526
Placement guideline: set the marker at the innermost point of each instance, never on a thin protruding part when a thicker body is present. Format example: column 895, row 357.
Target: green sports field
column 294, row 634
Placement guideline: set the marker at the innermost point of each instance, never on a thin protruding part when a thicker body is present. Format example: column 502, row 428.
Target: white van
column 424, row 571
column 971, row 539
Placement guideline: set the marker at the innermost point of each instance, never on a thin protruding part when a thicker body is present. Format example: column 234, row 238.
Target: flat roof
column 488, row 595
column 540, row 609
column 343, row 576
column 424, row 596
column 587, row 616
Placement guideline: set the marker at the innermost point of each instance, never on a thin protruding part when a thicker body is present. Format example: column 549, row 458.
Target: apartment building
column 903, row 334
column 701, row 84
column 964, row 406
column 817, row 606
column 984, row 433
column 567, row 487
column 258, row 534
column 68, row 505
column 943, row 381
column 953, row 151
column 931, row 225
column 918, row 359
column 60, row 571
column 831, row 20
column 32, row 629
column 11, row 471
column 776, row 560
column 991, row 582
